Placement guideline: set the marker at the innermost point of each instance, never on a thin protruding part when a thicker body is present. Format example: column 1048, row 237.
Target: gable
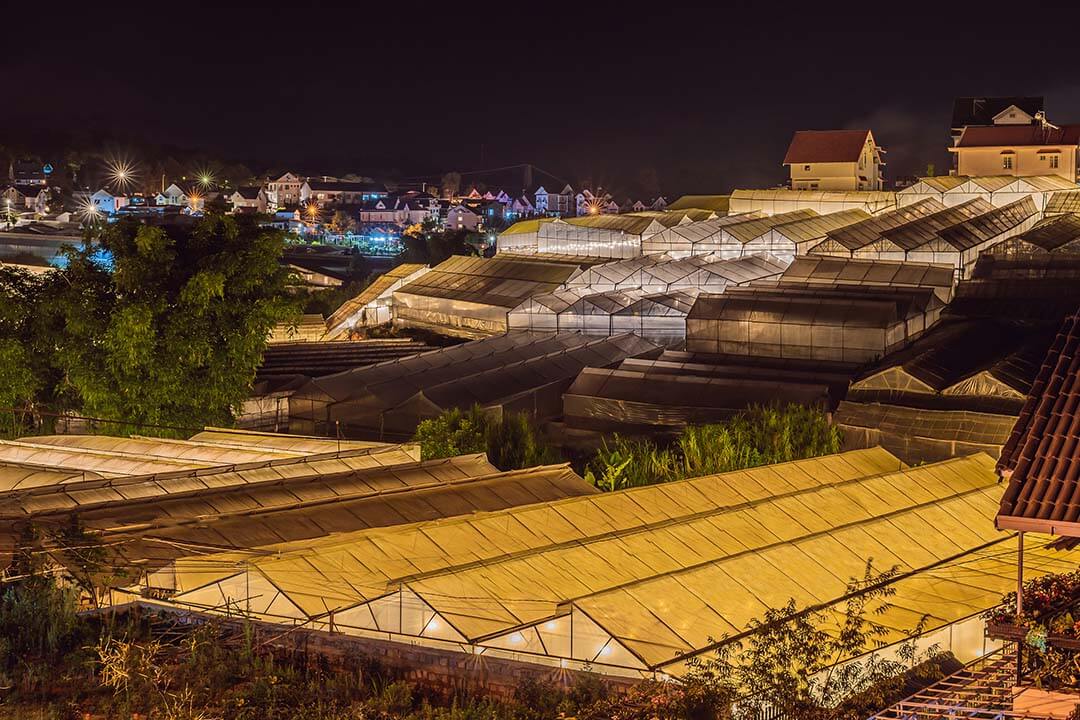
column 1012, row 115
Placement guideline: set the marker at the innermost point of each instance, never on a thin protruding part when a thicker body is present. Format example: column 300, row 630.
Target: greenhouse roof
column 632, row 224
column 95, row 493
column 553, row 302
column 697, row 231
column 390, row 383
column 672, row 302
column 858, row 271
column 917, row 424
column 971, row 233
column 781, row 306
column 1063, row 202
column 369, row 294
column 309, row 508
column 1045, row 183
column 313, row 359
column 499, row 281
column 859, row 235
column 614, row 272
column 944, row 356
column 1053, row 232
column 526, row 226
column 659, row 577
column 940, row 183
column 716, row 203
column 755, row 228
column 370, row 563
column 604, row 303
column 819, row 226
column 924, row 230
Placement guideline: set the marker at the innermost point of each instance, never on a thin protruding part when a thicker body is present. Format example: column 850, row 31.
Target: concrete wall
column 1026, row 161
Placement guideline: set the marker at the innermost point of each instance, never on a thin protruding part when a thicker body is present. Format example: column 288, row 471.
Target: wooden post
column 1019, row 604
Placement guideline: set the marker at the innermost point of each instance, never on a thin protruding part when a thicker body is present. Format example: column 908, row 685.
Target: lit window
column 1053, row 161
column 1006, row 162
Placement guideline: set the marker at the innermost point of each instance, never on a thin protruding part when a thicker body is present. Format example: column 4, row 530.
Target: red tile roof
column 811, row 146
column 1042, row 455
column 1019, row 135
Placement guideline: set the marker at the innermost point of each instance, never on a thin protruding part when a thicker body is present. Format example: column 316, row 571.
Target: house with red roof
column 835, row 160
column 1040, row 148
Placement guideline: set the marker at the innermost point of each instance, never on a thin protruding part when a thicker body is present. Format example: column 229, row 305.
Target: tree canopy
column 154, row 326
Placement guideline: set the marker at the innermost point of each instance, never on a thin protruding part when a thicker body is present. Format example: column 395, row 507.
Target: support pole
column 1019, row 603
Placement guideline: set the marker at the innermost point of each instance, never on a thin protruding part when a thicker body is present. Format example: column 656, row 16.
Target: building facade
column 1020, row 150
column 835, row 160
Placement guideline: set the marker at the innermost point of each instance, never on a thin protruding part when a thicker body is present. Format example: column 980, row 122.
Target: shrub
column 511, row 442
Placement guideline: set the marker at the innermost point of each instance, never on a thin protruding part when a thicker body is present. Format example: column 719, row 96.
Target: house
column 416, row 207
column 106, row 203
column 27, row 174
column 460, row 217
column 600, row 202
column 379, row 210
column 557, row 203
column 285, row 191
column 493, row 212
column 11, row 198
column 835, row 160
column 37, row 199
column 172, row 195
column 659, row 204
column 1019, row 150
column 989, row 111
column 248, row 199
column 521, row 207
column 332, row 192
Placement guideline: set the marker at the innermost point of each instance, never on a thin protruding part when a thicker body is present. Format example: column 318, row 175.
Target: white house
column 248, row 199
column 558, row 203
column 460, row 217
column 106, row 203
column 329, row 192
column 521, row 207
column 172, row 195
column 285, row 191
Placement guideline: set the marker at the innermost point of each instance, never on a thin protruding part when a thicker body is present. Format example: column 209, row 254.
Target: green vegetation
column 430, row 244
column 511, row 442
column 170, row 335
column 757, row 436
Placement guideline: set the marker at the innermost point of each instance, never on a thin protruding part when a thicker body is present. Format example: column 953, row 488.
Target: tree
column 342, row 223
column 450, row 184
column 511, row 441
column 172, row 333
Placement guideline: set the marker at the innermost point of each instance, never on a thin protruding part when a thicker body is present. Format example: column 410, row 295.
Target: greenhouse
column 470, row 296
column 952, row 190
column 961, row 244
column 657, row 317
column 517, row 372
column 659, row 273
column 775, row 202
column 373, row 305
column 610, row 236
column 541, row 312
column 732, row 239
column 837, row 323
column 866, row 239
column 638, row 582
column 791, row 239
column 628, row 400
column 1053, row 234
column 1063, row 202
column 615, row 275
column 521, row 237
column 683, row 240
column 715, row 203
column 871, row 273
column 591, row 314
column 922, row 434
column 917, row 233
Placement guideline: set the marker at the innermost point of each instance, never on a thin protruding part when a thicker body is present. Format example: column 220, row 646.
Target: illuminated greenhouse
column 774, row 202
column 794, row 238
column 639, row 582
column 866, row 239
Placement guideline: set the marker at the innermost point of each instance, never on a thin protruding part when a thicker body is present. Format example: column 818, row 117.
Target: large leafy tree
column 169, row 329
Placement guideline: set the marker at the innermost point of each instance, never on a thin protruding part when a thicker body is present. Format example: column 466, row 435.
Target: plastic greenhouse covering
column 837, row 323
column 471, row 296
column 657, row 317
column 871, row 273
column 1063, row 202
column 919, row 232
column 998, row 190
column 517, row 372
column 797, row 237
column 1053, row 234
column 732, row 239
column 372, row 305
column 774, row 202
column 683, row 240
column 961, row 244
column 610, row 236
column 866, row 239
column 521, row 237
column 631, row 400
column 659, row 273
column 639, row 581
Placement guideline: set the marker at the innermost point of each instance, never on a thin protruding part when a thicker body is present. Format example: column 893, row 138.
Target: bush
column 757, row 436
column 511, row 442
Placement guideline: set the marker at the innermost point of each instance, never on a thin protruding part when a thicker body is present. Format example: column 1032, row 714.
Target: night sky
column 702, row 99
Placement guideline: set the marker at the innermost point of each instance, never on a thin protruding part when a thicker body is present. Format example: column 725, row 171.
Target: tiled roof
column 810, row 146
column 1017, row 135
column 1042, row 455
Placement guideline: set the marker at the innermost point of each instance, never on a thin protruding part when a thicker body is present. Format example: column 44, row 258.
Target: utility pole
column 528, row 177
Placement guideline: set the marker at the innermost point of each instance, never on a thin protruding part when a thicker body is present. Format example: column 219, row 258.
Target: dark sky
column 706, row 98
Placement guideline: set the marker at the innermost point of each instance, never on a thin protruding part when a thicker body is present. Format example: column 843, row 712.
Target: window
column 1053, row 161
column 806, row 168
column 1006, row 162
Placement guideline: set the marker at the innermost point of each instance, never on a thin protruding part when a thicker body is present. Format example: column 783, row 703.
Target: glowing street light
column 205, row 179
column 312, row 211
column 122, row 174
